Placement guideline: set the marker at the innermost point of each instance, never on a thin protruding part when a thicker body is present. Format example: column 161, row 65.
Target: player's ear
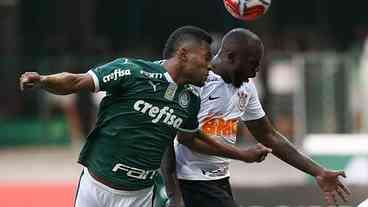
column 231, row 57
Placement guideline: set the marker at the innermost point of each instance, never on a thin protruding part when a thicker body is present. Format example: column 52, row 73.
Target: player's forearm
column 286, row 151
column 204, row 144
column 210, row 146
column 61, row 83
column 168, row 172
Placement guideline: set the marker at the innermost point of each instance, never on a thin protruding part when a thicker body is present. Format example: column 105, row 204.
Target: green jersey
column 139, row 116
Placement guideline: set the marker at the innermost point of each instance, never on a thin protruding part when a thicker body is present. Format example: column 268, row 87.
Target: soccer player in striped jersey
column 229, row 97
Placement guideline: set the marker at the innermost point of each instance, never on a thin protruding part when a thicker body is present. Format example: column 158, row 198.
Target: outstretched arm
column 60, row 83
column 328, row 181
column 204, row 144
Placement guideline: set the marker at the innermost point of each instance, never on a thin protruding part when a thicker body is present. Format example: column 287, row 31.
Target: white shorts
column 364, row 204
column 91, row 193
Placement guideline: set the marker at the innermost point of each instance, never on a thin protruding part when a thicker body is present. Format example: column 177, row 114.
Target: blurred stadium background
column 313, row 83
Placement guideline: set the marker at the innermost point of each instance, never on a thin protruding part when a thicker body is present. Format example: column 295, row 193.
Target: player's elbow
column 81, row 82
column 185, row 142
column 185, row 139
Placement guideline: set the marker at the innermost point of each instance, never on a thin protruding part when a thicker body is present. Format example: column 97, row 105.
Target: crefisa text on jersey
column 115, row 75
column 158, row 113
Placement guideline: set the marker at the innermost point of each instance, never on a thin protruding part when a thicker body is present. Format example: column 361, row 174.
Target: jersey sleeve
column 114, row 75
column 191, row 124
column 254, row 108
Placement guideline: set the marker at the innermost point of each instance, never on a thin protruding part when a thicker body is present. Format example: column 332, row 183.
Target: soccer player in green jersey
column 146, row 106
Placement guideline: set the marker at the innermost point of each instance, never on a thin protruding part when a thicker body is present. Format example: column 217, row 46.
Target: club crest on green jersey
column 184, row 99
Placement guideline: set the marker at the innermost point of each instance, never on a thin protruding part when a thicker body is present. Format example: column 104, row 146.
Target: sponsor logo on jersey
column 170, row 91
column 160, row 61
column 151, row 75
column 222, row 171
column 211, row 98
column 165, row 114
column 184, row 99
column 117, row 73
column 135, row 172
column 154, row 86
column 220, row 127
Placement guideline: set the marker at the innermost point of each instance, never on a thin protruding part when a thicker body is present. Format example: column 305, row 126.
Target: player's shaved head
column 243, row 41
column 239, row 56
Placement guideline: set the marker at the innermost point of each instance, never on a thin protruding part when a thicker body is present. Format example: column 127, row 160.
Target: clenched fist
column 256, row 154
column 29, row 80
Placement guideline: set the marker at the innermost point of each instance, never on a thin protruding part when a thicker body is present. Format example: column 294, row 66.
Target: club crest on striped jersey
column 242, row 100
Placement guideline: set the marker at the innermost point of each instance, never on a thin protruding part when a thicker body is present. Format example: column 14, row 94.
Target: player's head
column 239, row 56
column 190, row 47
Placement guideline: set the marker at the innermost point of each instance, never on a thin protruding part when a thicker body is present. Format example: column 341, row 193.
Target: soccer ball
column 247, row 10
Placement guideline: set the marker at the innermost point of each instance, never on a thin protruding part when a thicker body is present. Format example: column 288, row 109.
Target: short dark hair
column 184, row 34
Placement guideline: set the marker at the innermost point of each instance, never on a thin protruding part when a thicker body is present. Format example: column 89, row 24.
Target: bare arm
column 168, row 170
column 206, row 145
column 264, row 132
column 327, row 180
column 60, row 83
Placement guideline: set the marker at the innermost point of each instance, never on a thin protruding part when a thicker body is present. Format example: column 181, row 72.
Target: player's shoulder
column 122, row 62
column 150, row 65
column 125, row 64
column 250, row 83
column 140, row 66
column 249, row 86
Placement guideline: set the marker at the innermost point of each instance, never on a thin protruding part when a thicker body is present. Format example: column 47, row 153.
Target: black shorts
column 213, row 193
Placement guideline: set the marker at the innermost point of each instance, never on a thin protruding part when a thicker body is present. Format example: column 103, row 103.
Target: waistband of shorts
column 115, row 191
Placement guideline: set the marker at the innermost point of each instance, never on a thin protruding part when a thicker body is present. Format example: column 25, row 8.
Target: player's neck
column 218, row 71
column 172, row 68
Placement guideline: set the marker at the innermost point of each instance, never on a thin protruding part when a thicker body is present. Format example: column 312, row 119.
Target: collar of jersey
column 166, row 74
column 168, row 77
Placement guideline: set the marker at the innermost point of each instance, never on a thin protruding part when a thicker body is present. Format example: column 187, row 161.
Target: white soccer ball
column 247, row 10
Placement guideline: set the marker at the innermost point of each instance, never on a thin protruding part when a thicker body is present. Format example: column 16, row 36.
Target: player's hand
column 332, row 187
column 29, row 80
column 256, row 154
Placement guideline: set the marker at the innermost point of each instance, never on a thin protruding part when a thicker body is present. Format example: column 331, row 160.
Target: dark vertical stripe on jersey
column 76, row 194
